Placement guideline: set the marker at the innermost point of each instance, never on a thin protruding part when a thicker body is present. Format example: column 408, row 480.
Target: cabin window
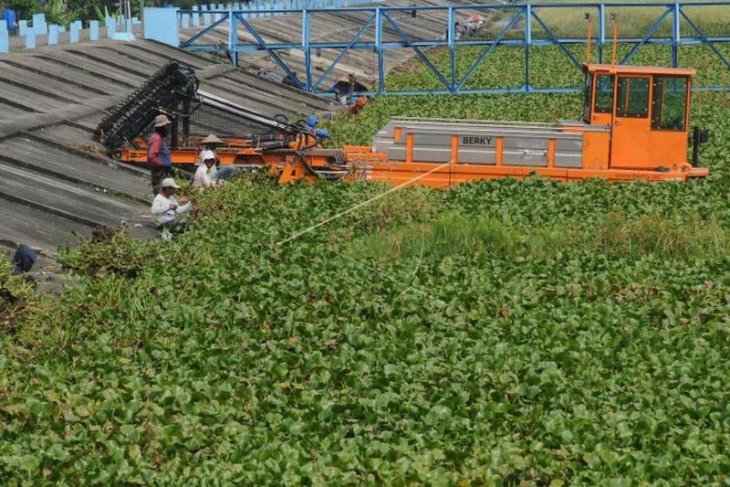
column 604, row 94
column 669, row 105
column 633, row 97
column 587, row 99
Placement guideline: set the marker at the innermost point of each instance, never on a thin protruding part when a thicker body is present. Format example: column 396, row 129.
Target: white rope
column 361, row 204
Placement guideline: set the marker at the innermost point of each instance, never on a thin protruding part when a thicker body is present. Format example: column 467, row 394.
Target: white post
column 30, row 38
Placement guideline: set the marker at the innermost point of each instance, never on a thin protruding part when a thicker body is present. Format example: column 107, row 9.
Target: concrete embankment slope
column 57, row 182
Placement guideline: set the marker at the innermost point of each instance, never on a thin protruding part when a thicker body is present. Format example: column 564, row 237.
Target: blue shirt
column 11, row 18
column 164, row 155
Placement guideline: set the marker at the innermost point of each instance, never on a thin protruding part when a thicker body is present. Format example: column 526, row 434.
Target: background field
column 498, row 333
column 570, row 22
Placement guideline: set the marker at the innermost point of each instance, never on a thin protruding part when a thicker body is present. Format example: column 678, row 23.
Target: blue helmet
column 312, row 120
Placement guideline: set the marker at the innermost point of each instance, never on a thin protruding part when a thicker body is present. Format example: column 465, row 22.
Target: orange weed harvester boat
column 635, row 126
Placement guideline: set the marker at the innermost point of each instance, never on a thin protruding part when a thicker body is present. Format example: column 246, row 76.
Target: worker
column 345, row 88
column 291, row 79
column 158, row 153
column 457, row 31
column 217, row 173
column 358, row 103
column 473, row 24
column 23, row 259
column 10, row 17
column 210, row 143
column 203, row 178
column 167, row 211
column 312, row 122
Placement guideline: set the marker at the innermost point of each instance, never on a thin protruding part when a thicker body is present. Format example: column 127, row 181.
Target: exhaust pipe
column 699, row 137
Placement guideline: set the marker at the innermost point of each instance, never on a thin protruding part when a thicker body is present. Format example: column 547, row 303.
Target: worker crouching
column 217, row 173
column 169, row 215
column 205, row 175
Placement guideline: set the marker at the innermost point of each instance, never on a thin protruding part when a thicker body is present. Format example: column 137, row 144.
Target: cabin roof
column 623, row 69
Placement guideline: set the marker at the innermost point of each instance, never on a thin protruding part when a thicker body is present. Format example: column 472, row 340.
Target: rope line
column 408, row 283
column 360, row 205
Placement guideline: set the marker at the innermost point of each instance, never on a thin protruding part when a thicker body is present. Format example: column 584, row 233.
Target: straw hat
column 212, row 139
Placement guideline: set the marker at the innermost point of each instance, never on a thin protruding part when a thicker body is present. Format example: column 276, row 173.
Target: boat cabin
column 647, row 110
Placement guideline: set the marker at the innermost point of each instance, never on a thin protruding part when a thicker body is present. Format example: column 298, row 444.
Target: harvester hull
column 426, row 174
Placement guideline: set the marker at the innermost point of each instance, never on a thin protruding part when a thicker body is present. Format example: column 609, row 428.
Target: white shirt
column 204, row 177
column 161, row 209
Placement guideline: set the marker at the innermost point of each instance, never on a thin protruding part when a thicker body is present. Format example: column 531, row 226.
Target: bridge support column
column 676, row 15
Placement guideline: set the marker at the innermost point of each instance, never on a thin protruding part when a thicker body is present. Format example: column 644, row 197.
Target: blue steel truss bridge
column 378, row 32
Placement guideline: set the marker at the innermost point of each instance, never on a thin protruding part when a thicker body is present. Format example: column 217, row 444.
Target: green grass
column 498, row 333
column 614, row 235
column 632, row 21
column 15, row 292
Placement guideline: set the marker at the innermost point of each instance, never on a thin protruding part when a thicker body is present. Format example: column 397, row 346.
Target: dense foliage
column 15, row 293
column 531, row 333
column 65, row 11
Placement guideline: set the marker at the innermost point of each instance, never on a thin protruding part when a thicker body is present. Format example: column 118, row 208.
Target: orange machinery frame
column 655, row 155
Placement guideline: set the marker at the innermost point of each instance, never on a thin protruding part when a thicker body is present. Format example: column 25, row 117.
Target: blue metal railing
column 40, row 30
column 517, row 31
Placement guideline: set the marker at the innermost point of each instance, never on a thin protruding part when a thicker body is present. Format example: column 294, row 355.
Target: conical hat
column 212, row 139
